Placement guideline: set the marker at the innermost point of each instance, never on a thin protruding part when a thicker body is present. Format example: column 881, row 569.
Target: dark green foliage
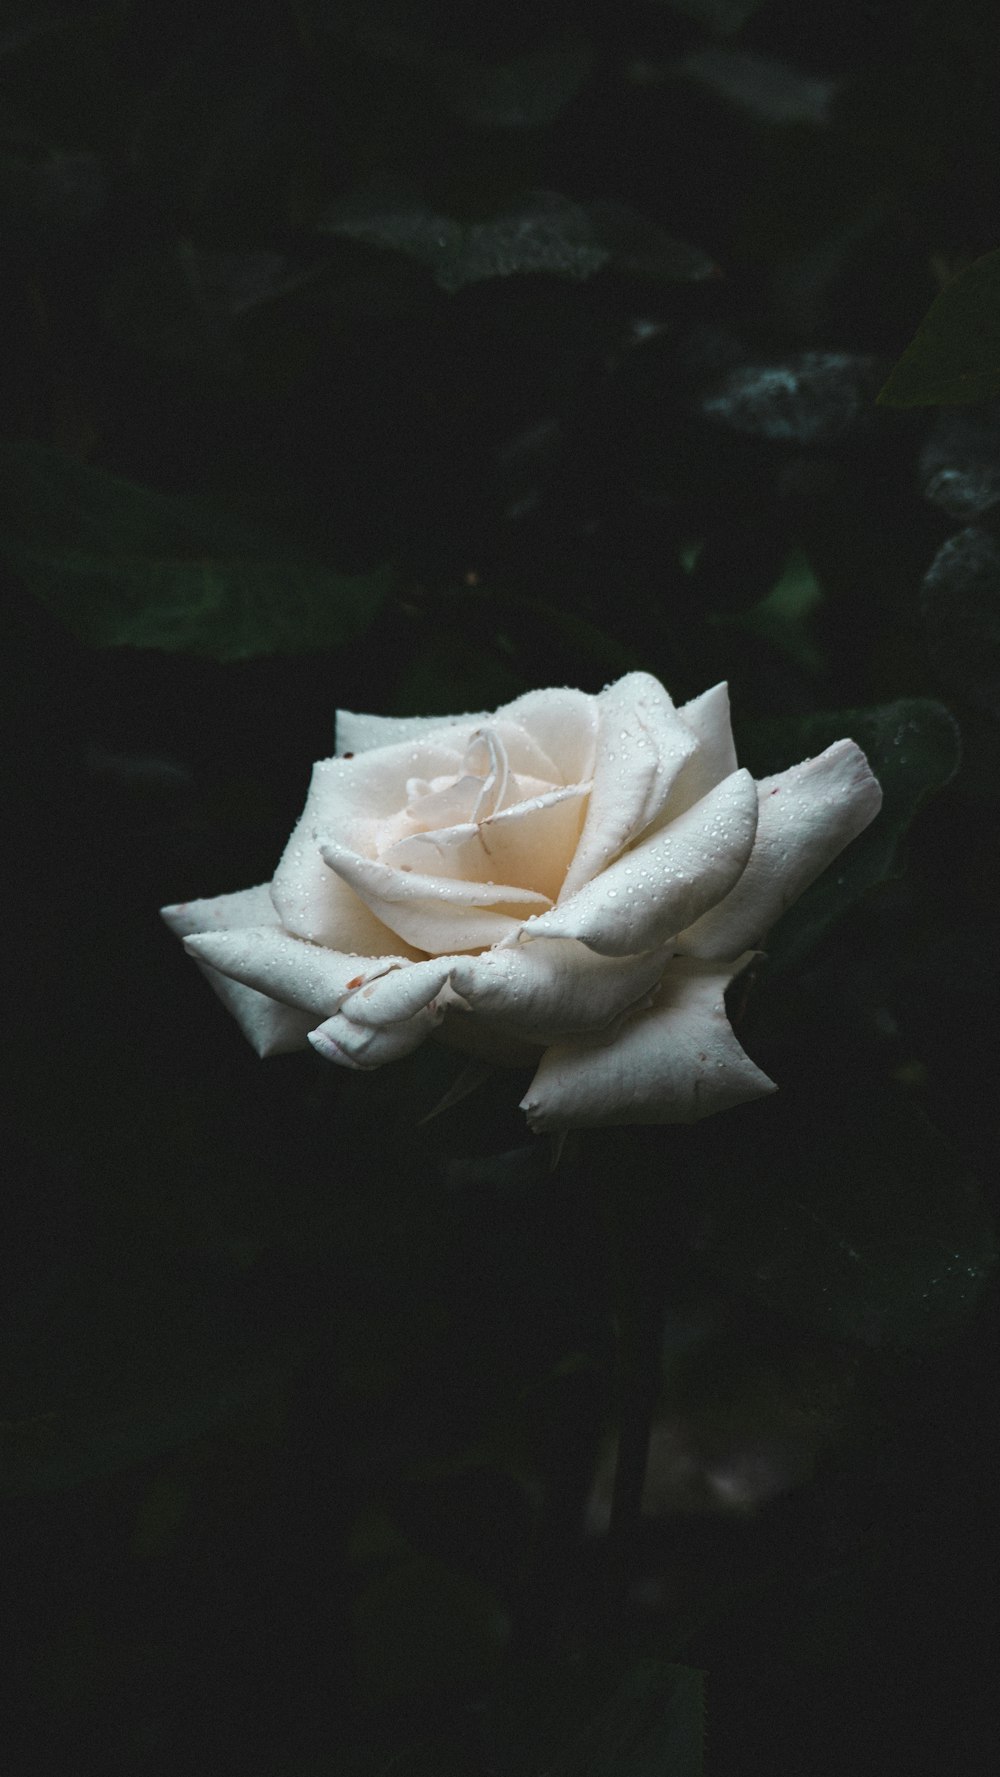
column 961, row 612
column 126, row 566
column 868, row 1228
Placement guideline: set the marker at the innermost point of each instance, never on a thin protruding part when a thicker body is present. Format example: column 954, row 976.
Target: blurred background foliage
column 403, row 355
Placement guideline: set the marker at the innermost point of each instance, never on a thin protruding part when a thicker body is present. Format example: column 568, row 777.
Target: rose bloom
column 569, row 883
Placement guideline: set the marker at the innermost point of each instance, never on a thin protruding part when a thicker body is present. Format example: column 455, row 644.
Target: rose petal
column 371, row 1046
column 642, row 745
column 807, row 815
column 525, row 757
column 430, row 912
column 391, row 997
column 674, row 1063
column 271, row 1028
column 562, row 724
column 220, row 913
column 528, row 846
column 667, row 881
column 286, row 968
column 349, row 797
column 708, row 718
column 359, row 733
column 556, row 986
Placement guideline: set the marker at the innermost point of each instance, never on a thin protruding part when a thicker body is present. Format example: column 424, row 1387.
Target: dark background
column 402, row 356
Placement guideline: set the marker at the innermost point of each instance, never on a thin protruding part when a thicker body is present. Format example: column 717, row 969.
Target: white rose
column 570, row 882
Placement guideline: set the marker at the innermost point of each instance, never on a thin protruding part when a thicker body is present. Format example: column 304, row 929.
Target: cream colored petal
column 271, row 1028
column 708, row 716
column 708, row 719
column 392, row 997
column 562, row 724
column 526, row 756
column 554, row 987
column 666, row 881
column 642, row 745
column 430, row 912
column 287, row 968
column 673, row 1063
column 346, row 797
column 807, row 815
column 220, row 913
column 358, row 733
column 371, row 1046
column 528, row 846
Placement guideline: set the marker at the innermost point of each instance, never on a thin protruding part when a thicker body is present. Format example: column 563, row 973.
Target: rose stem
column 637, row 1324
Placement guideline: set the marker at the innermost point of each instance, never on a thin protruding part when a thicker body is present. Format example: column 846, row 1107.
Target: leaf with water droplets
column 539, row 231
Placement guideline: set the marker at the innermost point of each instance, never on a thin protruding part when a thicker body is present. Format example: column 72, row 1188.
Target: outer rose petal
column 394, row 995
column 708, row 719
column 270, row 1028
column 359, row 734
column 431, row 912
column 642, row 745
column 545, row 990
column 287, row 968
column 674, row 1063
column 666, row 881
column 371, row 1046
column 807, row 815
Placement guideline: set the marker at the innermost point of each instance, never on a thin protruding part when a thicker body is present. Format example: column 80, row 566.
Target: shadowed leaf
column 960, row 603
column 858, row 1219
column 125, row 565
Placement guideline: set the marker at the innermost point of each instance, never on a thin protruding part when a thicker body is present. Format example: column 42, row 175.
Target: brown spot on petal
column 355, row 983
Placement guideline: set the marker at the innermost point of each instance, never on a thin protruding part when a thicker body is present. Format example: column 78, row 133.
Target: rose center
column 480, row 791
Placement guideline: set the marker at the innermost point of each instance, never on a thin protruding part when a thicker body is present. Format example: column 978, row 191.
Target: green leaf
column 540, row 231
column 913, row 748
column 124, row 565
column 955, row 355
column 853, row 1215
